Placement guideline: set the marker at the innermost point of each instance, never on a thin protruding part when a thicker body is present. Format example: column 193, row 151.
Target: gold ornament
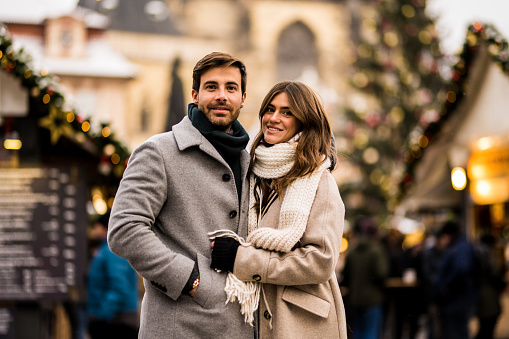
column 56, row 122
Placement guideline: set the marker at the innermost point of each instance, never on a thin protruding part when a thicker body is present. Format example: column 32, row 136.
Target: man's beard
column 220, row 123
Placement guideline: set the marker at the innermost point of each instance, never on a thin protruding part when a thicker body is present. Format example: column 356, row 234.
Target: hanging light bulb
column 458, row 178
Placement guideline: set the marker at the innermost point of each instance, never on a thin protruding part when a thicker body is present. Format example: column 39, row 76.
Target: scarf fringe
column 248, row 294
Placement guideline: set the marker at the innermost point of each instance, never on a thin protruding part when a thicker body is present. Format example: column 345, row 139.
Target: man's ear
column 194, row 94
column 243, row 100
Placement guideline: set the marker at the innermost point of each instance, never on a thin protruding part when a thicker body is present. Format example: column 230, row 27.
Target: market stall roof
column 476, row 107
column 63, row 131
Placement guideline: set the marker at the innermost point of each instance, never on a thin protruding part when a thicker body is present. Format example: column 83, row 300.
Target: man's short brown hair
column 222, row 60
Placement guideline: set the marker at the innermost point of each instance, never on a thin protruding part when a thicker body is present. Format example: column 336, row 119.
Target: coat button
column 233, row 214
column 256, row 277
column 226, row 177
column 267, row 315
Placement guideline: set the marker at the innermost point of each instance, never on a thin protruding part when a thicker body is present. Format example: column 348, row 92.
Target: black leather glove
column 224, row 254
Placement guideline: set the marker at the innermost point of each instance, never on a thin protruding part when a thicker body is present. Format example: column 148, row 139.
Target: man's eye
column 210, row 87
column 232, row 88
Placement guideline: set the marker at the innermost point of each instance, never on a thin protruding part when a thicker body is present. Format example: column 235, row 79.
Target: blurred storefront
column 55, row 172
column 458, row 165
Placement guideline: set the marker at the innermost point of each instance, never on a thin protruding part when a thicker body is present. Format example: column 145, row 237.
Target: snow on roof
column 34, row 12
column 101, row 60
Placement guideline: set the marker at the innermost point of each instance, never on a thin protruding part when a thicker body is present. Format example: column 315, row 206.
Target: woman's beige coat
column 300, row 288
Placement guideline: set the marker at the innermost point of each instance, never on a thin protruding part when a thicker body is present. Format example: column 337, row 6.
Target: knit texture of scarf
column 228, row 145
column 271, row 163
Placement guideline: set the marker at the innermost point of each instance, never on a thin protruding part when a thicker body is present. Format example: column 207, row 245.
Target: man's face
column 220, row 96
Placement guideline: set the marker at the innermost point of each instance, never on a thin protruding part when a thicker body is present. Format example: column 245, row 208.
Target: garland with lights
column 425, row 132
column 61, row 120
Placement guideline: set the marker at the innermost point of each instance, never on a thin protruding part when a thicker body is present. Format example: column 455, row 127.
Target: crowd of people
column 453, row 281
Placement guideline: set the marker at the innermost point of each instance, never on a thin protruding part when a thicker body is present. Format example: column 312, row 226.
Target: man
column 112, row 291
column 178, row 187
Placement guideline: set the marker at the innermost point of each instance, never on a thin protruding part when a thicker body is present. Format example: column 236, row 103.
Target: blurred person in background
column 455, row 285
column 401, row 317
column 366, row 268
column 112, row 290
column 178, row 187
column 296, row 219
column 492, row 284
column 429, row 263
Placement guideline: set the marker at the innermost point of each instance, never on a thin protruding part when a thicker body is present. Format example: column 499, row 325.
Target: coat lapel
column 186, row 135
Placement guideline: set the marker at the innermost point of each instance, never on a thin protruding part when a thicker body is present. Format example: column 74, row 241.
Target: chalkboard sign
column 43, row 223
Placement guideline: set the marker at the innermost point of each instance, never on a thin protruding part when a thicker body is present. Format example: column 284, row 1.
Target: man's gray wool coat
column 175, row 190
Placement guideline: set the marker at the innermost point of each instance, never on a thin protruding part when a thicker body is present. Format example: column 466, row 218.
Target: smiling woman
column 278, row 122
column 285, row 268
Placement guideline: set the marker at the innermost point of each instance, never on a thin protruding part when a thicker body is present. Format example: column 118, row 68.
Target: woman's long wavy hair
column 314, row 145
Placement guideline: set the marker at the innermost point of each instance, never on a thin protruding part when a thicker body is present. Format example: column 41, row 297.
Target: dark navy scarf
column 228, row 145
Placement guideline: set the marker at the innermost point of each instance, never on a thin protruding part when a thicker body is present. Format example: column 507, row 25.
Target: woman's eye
column 286, row 114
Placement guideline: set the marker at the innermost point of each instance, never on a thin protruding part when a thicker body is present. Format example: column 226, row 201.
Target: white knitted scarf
column 271, row 163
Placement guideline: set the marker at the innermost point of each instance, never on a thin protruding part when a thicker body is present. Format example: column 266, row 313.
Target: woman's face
column 278, row 122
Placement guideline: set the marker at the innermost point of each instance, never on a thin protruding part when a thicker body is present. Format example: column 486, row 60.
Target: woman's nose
column 275, row 117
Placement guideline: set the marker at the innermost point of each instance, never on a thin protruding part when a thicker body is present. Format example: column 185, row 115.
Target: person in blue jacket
column 455, row 283
column 112, row 290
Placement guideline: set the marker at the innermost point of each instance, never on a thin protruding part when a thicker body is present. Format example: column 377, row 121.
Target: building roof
column 141, row 16
column 100, row 61
column 35, row 12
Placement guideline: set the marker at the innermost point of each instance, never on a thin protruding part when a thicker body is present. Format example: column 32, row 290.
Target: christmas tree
column 396, row 74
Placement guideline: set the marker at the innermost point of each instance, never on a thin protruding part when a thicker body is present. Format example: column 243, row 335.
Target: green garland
column 61, row 120
column 477, row 35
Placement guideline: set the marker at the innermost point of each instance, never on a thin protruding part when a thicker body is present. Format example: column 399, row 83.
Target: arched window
column 296, row 51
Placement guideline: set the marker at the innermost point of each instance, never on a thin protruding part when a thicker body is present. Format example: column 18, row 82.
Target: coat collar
column 186, row 136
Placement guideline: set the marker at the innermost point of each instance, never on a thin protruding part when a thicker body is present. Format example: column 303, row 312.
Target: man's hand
column 193, row 291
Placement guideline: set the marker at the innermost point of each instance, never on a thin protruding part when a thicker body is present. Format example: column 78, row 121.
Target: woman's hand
column 224, row 251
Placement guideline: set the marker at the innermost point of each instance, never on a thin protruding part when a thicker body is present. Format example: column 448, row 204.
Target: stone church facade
column 278, row 40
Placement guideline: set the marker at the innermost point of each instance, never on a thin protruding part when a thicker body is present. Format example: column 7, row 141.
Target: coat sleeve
column 139, row 199
column 314, row 261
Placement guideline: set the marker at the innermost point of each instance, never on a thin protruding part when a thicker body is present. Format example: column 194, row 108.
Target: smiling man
column 220, row 97
column 178, row 187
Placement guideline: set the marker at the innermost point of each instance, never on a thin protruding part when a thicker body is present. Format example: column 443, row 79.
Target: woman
column 286, row 266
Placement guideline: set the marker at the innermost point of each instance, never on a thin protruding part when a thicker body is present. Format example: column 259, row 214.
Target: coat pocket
column 306, row 301
column 210, row 293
